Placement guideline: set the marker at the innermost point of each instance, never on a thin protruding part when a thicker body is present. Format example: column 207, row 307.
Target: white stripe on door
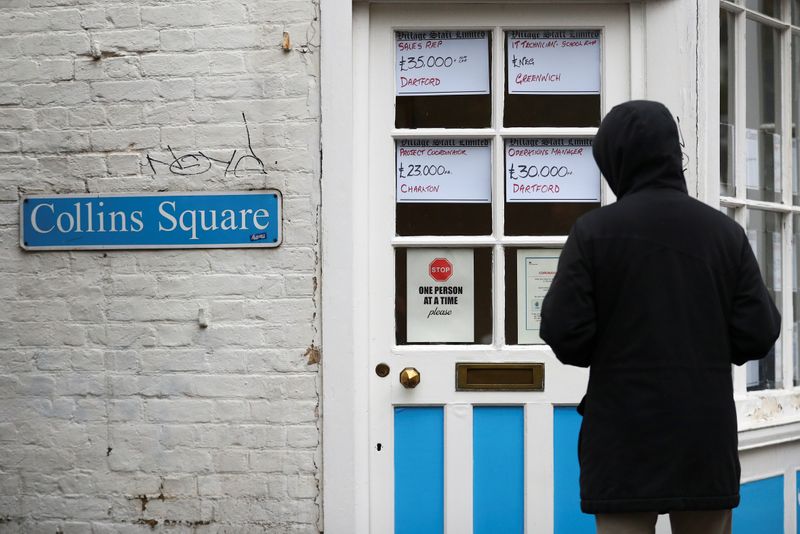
column 458, row 468
column 538, row 468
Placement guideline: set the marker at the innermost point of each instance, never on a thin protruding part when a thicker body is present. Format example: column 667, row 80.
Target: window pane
column 443, row 296
column 764, row 234
column 763, row 139
column 549, row 183
column 443, row 186
column 562, row 111
column 529, row 273
column 552, row 78
column 727, row 104
column 796, row 12
column 454, row 111
column 796, row 298
column 434, row 218
column 795, row 119
column 767, row 7
column 544, row 219
column 443, row 79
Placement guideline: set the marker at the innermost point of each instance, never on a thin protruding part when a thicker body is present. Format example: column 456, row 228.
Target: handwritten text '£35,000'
column 408, row 63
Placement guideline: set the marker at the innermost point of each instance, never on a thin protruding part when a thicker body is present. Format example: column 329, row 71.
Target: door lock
column 382, row 370
column 409, row 377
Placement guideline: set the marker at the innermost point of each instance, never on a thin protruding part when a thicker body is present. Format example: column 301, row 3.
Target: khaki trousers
column 700, row 522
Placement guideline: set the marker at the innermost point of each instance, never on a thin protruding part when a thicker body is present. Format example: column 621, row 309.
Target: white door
column 480, row 125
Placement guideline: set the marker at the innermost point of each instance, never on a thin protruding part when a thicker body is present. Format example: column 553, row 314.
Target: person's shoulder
column 713, row 216
column 623, row 212
column 601, row 216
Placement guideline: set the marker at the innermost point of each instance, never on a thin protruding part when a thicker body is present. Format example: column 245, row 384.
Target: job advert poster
column 553, row 62
column 442, row 62
column 440, row 295
column 444, row 170
column 551, row 170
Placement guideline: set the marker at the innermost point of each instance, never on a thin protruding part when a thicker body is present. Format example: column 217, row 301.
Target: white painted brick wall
column 118, row 413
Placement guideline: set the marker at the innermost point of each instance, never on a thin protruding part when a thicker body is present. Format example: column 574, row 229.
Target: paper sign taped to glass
column 535, row 271
column 553, row 61
column 447, row 62
column 551, row 170
column 444, row 170
column 440, row 295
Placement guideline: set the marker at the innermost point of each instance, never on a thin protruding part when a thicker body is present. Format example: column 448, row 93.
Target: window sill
column 768, row 418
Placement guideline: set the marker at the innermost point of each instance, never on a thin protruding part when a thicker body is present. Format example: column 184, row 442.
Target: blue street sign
column 151, row 220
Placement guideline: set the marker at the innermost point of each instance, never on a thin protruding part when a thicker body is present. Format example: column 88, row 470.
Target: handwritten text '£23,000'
column 415, row 171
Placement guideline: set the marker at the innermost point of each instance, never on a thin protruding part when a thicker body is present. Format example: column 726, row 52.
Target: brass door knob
column 409, row 377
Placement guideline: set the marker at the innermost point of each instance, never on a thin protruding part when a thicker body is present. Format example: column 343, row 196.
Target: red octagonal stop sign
column 440, row 269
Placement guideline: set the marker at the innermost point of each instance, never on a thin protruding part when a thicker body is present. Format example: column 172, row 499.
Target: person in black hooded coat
column 658, row 294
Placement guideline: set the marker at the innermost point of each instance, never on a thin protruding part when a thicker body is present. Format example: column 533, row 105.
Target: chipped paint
column 313, row 355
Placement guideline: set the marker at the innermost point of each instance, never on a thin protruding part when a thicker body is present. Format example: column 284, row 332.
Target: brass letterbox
column 499, row 376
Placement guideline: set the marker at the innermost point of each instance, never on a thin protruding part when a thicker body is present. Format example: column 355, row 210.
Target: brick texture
column 119, row 412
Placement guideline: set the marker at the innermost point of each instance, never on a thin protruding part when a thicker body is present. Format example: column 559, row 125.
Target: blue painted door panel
column 568, row 518
column 498, row 469
column 419, row 470
column 761, row 508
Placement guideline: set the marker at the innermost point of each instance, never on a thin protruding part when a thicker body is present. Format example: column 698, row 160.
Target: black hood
column 637, row 147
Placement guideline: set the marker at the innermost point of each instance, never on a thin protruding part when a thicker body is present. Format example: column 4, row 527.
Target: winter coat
column 657, row 294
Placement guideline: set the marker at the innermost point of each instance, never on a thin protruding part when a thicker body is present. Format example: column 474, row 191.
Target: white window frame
column 751, row 404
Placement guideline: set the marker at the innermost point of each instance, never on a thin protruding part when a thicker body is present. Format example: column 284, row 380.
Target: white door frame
column 673, row 79
column 345, row 473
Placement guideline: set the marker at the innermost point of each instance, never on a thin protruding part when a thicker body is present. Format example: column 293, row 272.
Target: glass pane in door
column 550, row 182
column 444, row 186
column 552, row 78
column 443, row 78
column 443, row 296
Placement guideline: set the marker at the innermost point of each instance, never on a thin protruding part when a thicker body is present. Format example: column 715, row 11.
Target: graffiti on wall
column 241, row 161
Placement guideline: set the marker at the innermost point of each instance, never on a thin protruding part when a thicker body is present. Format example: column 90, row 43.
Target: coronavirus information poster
column 553, row 62
column 535, row 271
column 442, row 62
column 551, row 170
column 440, row 295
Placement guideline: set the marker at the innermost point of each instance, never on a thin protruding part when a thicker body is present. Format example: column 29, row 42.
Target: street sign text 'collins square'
column 151, row 220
